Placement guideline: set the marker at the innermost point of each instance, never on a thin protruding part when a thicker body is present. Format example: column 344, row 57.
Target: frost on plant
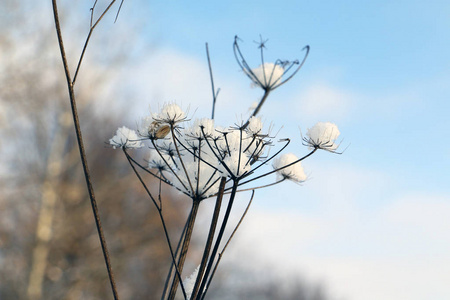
column 323, row 135
column 189, row 282
column 288, row 168
column 171, row 114
column 203, row 160
column 267, row 74
column 125, row 138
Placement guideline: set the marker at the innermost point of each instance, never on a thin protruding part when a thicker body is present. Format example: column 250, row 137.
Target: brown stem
column 185, row 247
column 260, row 104
column 89, row 37
column 226, row 245
column 83, row 153
column 173, row 264
column 209, row 241
column 161, row 217
column 219, row 238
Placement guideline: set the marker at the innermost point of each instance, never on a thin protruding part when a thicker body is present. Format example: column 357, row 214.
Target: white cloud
column 168, row 75
column 395, row 249
column 324, row 102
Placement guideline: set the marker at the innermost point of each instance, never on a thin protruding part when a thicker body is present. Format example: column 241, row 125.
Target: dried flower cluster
column 203, row 160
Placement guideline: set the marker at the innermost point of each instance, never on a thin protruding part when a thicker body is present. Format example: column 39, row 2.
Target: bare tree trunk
column 44, row 229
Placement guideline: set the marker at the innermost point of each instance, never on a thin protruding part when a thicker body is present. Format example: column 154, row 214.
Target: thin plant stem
column 83, row 153
column 91, row 30
column 210, row 238
column 161, row 177
column 195, row 155
column 220, row 235
column 168, row 165
column 262, row 186
column 258, row 108
column 212, row 83
column 173, row 264
column 185, row 246
column 159, row 209
column 226, row 245
column 281, row 168
column 181, row 160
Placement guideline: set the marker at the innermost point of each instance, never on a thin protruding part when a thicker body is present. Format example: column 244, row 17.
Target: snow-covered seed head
column 204, row 179
column 267, row 75
column 201, row 128
column 125, row 138
column 323, row 135
column 294, row 172
column 160, row 161
column 170, row 114
column 237, row 164
column 255, row 125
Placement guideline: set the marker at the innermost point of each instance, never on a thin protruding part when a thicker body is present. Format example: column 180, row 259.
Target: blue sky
column 392, row 57
column 372, row 223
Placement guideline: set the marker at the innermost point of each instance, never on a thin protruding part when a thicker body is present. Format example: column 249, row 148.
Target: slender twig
column 262, row 186
column 226, row 245
column 168, row 165
column 264, row 162
column 172, row 129
column 185, row 247
column 281, row 168
column 216, row 155
column 173, row 264
column 89, row 37
column 212, row 83
column 161, row 217
column 161, row 177
column 257, row 109
column 210, row 238
column 197, row 156
column 220, row 234
column 118, row 11
column 83, row 153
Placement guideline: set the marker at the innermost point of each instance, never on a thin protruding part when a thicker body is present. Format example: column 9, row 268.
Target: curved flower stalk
column 267, row 76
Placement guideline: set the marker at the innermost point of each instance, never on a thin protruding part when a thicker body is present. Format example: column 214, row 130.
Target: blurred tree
column 49, row 248
column 264, row 283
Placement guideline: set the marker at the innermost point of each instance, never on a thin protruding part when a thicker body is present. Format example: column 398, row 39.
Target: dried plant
column 203, row 161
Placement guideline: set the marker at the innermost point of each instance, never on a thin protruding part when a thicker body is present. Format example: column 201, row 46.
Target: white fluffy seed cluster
column 323, row 135
column 267, row 75
column 293, row 172
column 126, row 138
column 194, row 156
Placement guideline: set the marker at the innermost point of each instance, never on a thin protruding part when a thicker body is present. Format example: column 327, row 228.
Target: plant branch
column 209, row 241
column 185, row 247
column 281, row 168
column 212, row 83
column 83, row 153
column 161, row 217
column 91, row 30
column 219, row 237
column 173, row 264
column 226, row 245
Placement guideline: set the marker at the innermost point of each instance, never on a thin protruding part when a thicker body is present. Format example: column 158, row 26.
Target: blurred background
column 370, row 224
